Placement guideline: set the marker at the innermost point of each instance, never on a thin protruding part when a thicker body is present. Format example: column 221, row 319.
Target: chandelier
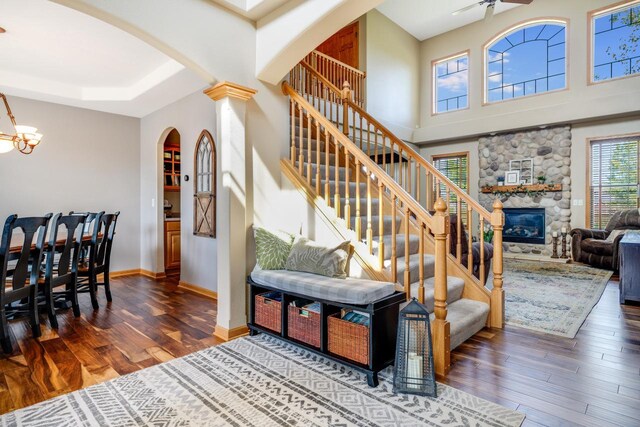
column 24, row 139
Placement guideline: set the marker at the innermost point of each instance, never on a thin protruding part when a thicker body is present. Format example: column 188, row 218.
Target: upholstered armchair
column 599, row 248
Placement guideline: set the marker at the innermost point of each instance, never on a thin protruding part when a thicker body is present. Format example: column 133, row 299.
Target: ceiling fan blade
column 464, row 9
column 488, row 14
column 517, row 1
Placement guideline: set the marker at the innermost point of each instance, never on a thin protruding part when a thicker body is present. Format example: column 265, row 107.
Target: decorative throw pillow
column 311, row 257
column 272, row 249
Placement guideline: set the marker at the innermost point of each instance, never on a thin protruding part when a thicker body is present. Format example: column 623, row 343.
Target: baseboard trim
column 229, row 334
column 152, row 275
column 136, row 272
column 124, row 273
column 189, row 287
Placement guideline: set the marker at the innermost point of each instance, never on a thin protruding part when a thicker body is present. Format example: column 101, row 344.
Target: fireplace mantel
column 523, row 188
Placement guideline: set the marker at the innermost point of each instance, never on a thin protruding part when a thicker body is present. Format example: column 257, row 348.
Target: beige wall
column 580, row 135
column 189, row 116
column 580, row 102
column 393, row 74
column 470, row 146
column 87, row 161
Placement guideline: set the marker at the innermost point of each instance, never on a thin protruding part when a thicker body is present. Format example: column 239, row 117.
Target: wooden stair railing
column 315, row 137
column 338, row 72
column 419, row 178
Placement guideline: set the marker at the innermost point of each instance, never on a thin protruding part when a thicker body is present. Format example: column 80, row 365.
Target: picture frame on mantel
column 525, row 166
column 512, row 177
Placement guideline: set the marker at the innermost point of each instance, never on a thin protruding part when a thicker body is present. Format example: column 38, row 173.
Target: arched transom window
column 528, row 59
column 204, row 198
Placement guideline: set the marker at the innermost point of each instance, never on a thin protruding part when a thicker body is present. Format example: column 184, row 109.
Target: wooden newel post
column 497, row 293
column 440, row 327
column 346, row 97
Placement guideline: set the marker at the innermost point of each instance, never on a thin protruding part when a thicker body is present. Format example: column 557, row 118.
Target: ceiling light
column 25, row 138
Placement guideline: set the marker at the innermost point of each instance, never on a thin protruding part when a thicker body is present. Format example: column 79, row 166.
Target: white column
column 231, row 223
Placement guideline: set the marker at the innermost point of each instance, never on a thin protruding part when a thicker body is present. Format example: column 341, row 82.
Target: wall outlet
column 578, row 202
column 153, row 203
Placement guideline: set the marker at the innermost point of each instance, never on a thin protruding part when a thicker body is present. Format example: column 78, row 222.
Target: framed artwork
column 512, row 178
column 525, row 167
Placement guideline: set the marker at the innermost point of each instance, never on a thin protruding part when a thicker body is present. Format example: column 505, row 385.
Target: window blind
column 614, row 178
column 456, row 168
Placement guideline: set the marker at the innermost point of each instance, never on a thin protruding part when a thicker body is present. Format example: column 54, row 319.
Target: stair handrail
column 397, row 141
column 414, row 213
column 337, row 72
column 495, row 219
column 356, row 152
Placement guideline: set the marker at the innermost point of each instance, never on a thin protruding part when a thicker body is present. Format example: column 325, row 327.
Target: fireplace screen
column 524, row 225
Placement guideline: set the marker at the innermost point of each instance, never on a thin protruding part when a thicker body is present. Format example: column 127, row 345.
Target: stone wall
column 550, row 150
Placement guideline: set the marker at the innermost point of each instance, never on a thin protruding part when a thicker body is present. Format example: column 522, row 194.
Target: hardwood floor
column 592, row 380
column 147, row 323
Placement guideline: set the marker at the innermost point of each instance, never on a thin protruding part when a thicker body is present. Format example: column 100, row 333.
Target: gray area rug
column 551, row 297
column 257, row 381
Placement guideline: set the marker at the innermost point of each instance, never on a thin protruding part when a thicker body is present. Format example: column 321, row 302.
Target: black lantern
column 413, row 371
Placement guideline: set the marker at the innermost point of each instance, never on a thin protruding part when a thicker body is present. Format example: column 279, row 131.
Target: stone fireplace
column 550, row 150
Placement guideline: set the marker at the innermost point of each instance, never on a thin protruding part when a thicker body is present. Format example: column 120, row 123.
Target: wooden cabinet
column 171, row 162
column 171, row 245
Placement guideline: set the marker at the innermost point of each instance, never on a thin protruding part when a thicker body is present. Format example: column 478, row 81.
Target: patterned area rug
column 257, row 381
column 551, row 297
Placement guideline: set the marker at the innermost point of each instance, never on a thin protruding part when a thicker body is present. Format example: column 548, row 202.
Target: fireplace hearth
column 524, row 225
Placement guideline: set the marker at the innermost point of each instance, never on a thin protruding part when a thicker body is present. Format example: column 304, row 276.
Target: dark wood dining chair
column 18, row 281
column 61, row 264
column 99, row 261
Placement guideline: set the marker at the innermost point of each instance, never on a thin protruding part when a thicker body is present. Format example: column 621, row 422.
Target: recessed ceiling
column 427, row 18
column 252, row 9
column 53, row 53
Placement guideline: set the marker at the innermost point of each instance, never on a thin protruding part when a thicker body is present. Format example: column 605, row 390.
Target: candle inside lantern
column 564, row 230
column 554, row 234
column 414, row 370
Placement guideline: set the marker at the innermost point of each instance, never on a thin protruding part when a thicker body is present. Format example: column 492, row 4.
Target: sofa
column 599, row 248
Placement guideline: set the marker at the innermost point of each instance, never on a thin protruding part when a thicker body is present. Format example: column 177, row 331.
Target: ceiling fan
column 490, row 6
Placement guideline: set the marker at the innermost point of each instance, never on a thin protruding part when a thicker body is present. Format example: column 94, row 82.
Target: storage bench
column 379, row 300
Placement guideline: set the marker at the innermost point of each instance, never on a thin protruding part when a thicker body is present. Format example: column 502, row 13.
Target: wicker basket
column 347, row 339
column 268, row 312
column 304, row 325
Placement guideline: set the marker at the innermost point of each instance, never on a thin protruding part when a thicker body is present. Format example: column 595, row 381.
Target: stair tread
column 414, row 245
column 466, row 317
column 455, row 286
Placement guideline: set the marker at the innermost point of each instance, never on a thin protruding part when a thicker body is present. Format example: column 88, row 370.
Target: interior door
column 343, row 45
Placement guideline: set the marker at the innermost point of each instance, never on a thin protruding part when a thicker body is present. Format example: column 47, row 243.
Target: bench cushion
column 346, row 291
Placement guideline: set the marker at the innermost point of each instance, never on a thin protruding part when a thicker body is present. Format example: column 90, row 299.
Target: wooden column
column 440, row 327
column 232, row 222
column 497, row 293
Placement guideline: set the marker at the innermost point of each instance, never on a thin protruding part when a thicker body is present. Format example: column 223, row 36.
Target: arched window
column 204, row 197
column 525, row 60
column 615, row 41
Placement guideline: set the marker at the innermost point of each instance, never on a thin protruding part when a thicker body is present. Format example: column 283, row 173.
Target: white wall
column 580, row 102
column 393, row 75
column 189, row 116
column 87, row 161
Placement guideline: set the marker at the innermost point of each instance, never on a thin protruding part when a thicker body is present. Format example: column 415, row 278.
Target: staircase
column 394, row 204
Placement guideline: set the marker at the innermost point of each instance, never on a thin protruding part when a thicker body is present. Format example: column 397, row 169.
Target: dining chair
column 18, row 281
column 61, row 264
column 99, row 258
